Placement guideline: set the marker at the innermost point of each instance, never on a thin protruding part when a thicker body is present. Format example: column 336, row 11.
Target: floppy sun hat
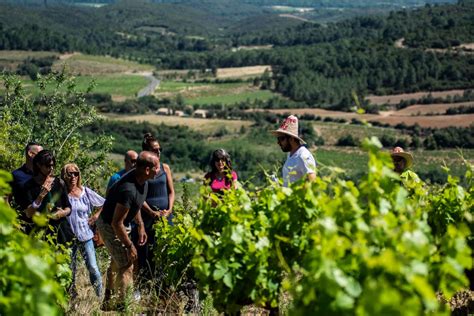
column 289, row 127
column 399, row 152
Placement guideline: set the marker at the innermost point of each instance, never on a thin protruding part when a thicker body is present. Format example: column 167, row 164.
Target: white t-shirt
column 298, row 165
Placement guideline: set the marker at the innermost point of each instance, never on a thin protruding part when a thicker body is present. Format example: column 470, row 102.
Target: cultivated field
column 212, row 93
column 396, row 98
column 331, row 132
column 355, row 160
column 79, row 64
column 10, row 59
column 391, row 117
column 119, row 86
column 208, row 126
column 239, row 72
column 424, row 109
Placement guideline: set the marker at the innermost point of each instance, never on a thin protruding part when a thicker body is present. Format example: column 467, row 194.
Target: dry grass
column 79, row 64
column 254, row 47
column 437, row 121
column 423, row 109
column 237, row 72
column 20, row 55
column 396, row 98
column 201, row 125
column 469, row 46
column 10, row 59
column 393, row 117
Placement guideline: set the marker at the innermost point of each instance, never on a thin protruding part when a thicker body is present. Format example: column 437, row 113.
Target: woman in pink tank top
column 221, row 177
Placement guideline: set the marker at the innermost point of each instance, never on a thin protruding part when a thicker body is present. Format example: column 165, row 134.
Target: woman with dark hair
column 45, row 193
column 83, row 200
column 159, row 203
column 221, row 177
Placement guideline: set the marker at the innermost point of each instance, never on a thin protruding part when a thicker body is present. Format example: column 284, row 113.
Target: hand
column 165, row 213
column 46, row 187
column 142, row 236
column 132, row 253
column 93, row 219
column 58, row 214
column 30, row 212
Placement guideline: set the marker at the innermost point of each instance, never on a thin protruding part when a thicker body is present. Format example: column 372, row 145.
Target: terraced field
column 212, row 93
column 392, row 117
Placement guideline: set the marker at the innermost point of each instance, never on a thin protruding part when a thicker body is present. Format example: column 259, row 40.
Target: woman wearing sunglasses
column 83, row 200
column 221, row 177
column 46, row 194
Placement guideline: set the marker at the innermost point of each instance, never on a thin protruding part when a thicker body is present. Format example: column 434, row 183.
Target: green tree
column 54, row 118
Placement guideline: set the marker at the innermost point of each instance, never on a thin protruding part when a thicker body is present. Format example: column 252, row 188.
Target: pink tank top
column 219, row 185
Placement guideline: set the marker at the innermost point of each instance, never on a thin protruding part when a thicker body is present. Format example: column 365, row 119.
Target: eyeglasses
column 73, row 174
column 51, row 166
column 157, row 150
column 133, row 161
column 398, row 159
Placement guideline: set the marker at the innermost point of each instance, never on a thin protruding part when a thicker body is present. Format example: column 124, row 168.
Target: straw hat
column 289, row 127
column 399, row 152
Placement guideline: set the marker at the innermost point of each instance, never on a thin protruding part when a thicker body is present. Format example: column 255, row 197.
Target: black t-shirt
column 128, row 192
column 56, row 198
column 20, row 177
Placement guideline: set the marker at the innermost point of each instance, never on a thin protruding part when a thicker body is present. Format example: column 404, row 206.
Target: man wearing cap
column 403, row 160
column 300, row 162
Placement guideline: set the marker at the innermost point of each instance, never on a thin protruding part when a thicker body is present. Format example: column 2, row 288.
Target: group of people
column 136, row 197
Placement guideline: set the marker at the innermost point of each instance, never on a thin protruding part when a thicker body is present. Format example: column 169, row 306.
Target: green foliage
column 34, row 273
column 372, row 249
column 336, row 247
column 54, row 120
column 451, row 203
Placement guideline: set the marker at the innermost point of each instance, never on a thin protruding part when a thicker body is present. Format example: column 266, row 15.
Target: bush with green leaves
column 34, row 274
column 372, row 250
column 336, row 247
column 53, row 117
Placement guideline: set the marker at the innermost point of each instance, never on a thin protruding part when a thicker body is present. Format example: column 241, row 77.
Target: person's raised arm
column 35, row 205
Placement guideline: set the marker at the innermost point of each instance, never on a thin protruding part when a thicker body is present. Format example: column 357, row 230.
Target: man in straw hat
column 402, row 161
column 300, row 162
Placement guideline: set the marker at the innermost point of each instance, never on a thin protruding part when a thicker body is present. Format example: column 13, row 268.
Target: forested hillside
column 320, row 65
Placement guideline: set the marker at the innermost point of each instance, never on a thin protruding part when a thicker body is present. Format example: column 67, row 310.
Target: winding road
column 152, row 85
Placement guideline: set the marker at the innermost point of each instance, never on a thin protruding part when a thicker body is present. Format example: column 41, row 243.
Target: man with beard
column 300, row 162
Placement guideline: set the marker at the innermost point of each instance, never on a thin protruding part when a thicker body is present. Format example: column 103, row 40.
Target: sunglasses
column 73, row 174
column 281, row 138
column 49, row 165
column 157, row 150
column 133, row 161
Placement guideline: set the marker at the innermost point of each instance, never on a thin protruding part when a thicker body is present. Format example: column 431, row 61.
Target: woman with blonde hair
column 83, row 201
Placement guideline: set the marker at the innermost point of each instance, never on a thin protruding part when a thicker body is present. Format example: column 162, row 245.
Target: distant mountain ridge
column 249, row 3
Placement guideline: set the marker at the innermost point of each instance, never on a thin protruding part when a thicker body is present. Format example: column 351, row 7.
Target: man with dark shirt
column 25, row 172
column 121, row 206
